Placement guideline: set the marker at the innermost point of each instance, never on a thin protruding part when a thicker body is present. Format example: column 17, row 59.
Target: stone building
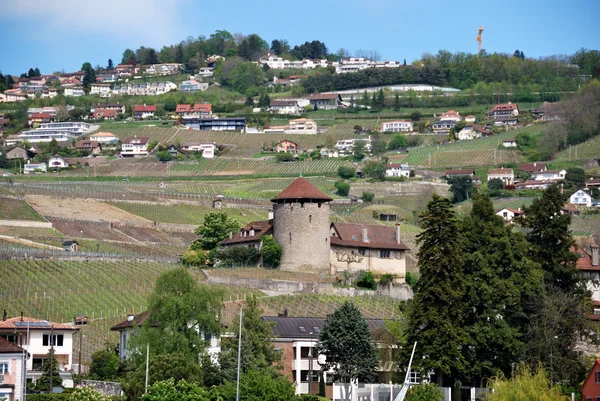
column 301, row 226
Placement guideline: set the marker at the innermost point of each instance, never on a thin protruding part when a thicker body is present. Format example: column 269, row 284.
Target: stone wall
column 25, row 223
column 106, row 388
column 302, row 230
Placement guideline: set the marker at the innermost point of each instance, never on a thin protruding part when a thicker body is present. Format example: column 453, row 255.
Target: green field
column 15, row 209
column 589, row 149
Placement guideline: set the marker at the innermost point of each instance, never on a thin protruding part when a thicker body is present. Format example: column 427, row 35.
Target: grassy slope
column 15, row 209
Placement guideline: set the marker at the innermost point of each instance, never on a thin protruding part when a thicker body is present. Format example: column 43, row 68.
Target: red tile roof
column 507, row 106
column 501, row 171
column 203, row 107
column 301, row 188
column 14, row 323
column 6, row 347
column 531, row 167
column 104, row 113
column 182, row 108
column 144, row 109
column 450, row 113
column 379, row 237
column 584, row 262
column 41, row 115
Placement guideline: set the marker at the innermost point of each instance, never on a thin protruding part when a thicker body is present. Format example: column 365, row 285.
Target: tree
column 257, row 385
column 347, row 172
column 180, row 314
column 129, row 57
column 110, row 64
column 179, row 58
column 500, row 279
column 367, row 196
column 359, row 150
column 49, row 369
column 236, row 256
column 575, row 178
column 3, row 160
column 89, row 76
column 525, row 385
column 397, row 102
column 461, row 187
column 88, row 393
column 425, row 392
column 343, row 188
column 280, row 46
column 31, row 73
column 437, row 305
column 77, row 114
column 264, row 101
column 215, row 228
column 257, row 351
column 105, row 364
column 381, row 99
column 182, row 391
column 345, row 341
column 271, row 252
column 174, row 367
column 374, row 170
column 251, row 47
column 398, row 141
column 415, row 116
column 164, row 156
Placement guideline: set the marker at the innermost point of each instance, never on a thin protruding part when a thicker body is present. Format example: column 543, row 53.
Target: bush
column 236, row 256
column 411, row 279
column 367, row 196
column 398, row 141
column 164, row 156
column 366, row 280
column 343, row 188
column 495, row 184
column 347, row 172
column 284, row 157
column 374, row 170
column 194, row 257
column 271, row 252
column 425, row 392
column 386, row 279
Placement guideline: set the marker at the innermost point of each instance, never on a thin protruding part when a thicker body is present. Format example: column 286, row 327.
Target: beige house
column 305, row 125
column 378, row 249
column 507, row 175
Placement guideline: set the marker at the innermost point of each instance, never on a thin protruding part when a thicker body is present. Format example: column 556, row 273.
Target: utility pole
column 79, row 363
column 237, row 390
column 147, row 360
column 51, row 357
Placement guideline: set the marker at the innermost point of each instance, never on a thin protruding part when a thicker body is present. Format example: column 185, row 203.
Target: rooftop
column 301, row 188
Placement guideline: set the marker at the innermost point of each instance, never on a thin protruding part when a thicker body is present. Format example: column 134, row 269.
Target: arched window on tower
column 290, row 238
column 310, row 218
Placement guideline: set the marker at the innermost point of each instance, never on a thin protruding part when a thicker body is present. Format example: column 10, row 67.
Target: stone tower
column 301, row 226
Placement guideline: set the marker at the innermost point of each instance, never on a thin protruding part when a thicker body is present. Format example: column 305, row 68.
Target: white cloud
column 145, row 22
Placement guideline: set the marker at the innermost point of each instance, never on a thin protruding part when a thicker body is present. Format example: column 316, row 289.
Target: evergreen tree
column 461, row 187
column 249, row 101
column 381, row 99
column 37, row 72
column 500, row 281
column 49, row 369
column 345, row 340
column 110, row 65
column 435, row 318
column 31, row 73
column 89, row 76
column 365, row 99
column 374, row 103
column 179, row 53
column 129, row 57
column 397, row 102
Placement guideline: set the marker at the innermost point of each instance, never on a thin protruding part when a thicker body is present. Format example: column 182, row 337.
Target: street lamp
column 310, row 370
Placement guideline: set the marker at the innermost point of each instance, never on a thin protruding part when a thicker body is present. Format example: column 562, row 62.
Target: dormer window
column 252, row 232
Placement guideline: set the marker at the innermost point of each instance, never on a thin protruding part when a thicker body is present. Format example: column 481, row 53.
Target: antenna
column 479, row 39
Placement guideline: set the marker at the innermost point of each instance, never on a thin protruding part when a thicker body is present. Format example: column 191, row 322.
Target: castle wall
column 302, row 230
column 348, row 259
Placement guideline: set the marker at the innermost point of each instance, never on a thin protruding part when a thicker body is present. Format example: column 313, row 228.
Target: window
column 598, row 376
column 10, row 337
column 290, row 238
column 302, row 329
column 57, row 340
column 304, row 376
column 385, row 254
column 304, row 351
column 3, row 368
column 316, row 329
column 310, row 218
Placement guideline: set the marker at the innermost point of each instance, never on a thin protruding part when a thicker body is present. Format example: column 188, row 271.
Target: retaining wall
column 25, row 223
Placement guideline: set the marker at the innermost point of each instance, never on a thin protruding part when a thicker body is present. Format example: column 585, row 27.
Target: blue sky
column 62, row 34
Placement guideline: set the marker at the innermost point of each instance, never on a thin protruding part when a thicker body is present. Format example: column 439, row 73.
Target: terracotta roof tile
column 260, row 228
column 379, row 237
column 6, row 347
column 301, row 188
column 16, row 323
column 138, row 320
column 144, row 108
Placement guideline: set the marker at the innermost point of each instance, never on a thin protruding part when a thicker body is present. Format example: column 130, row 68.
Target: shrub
column 366, row 280
column 343, row 188
column 367, row 196
column 271, row 252
column 425, row 392
column 495, row 184
column 194, row 257
column 164, row 156
column 284, row 157
column 346, row 172
column 386, row 279
column 236, row 256
column 412, row 278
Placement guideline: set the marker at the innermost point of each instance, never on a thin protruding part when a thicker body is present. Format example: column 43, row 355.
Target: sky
column 63, row 34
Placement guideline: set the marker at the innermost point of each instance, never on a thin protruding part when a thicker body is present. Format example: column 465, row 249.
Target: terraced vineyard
column 103, row 291
column 589, row 149
column 16, row 209
column 373, row 307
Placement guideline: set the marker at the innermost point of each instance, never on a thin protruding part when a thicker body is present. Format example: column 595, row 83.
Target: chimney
column 595, row 261
column 130, row 316
column 270, row 214
column 285, row 313
column 365, row 236
column 230, row 235
column 21, row 315
column 4, row 316
column 398, row 232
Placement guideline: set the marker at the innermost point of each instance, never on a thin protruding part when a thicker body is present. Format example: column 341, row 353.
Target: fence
column 389, row 392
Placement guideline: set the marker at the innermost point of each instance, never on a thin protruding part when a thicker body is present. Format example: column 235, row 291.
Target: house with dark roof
column 12, row 359
column 443, row 127
column 508, row 214
column 504, row 110
column 135, row 146
column 250, row 236
column 375, row 248
column 285, row 107
column 454, row 173
column 507, row 175
column 326, row 101
column 531, row 167
column 295, row 339
column 36, row 336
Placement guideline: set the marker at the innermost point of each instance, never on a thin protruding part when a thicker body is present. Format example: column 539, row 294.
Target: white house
column 192, row 86
column 302, row 126
column 345, row 147
column 548, row 175
column 164, row 69
column 451, row 115
column 508, row 214
column 473, row 131
column 285, row 107
column 61, row 131
column 104, row 138
column 37, row 337
column 581, row 198
column 330, row 152
column 397, row 170
column 11, row 370
column 397, row 126
column 275, row 62
column 74, row 91
column 507, row 175
column 57, row 162
column 509, row 143
column 136, row 146
column 208, row 150
column 32, row 168
column 103, row 90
